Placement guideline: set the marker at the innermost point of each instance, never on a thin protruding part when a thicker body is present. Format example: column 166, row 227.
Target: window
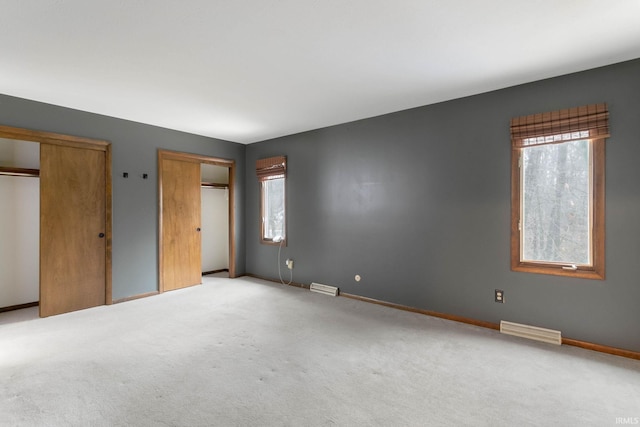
column 557, row 184
column 272, row 176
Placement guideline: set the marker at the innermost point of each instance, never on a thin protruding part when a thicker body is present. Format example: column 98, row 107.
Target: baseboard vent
column 531, row 332
column 324, row 289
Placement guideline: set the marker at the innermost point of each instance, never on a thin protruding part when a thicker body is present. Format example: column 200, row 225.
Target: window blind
column 271, row 168
column 572, row 124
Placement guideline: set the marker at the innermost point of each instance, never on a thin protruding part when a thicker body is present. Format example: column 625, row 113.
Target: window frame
column 268, row 169
column 597, row 269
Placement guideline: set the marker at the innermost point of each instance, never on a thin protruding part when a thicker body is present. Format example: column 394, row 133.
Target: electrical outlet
column 499, row 296
column 289, row 263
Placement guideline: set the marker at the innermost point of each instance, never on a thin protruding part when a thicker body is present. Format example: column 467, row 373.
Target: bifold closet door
column 72, row 229
column 181, row 210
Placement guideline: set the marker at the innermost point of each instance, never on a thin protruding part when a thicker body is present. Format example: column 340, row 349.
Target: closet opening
column 55, row 221
column 19, row 224
column 214, row 189
column 196, row 221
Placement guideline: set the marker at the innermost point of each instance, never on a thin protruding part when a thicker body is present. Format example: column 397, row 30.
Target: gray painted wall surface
column 135, row 201
column 418, row 204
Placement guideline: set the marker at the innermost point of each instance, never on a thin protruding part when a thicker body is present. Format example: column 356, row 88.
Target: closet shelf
column 214, row 185
column 19, row 171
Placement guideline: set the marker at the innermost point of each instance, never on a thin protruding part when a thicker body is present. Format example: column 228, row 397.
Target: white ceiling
column 250, row 70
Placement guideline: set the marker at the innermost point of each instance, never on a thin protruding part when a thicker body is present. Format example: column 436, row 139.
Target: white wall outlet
column 289, row 263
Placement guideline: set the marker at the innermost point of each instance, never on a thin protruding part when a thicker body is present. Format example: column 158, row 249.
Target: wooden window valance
column 271, row 168
column 572, row 124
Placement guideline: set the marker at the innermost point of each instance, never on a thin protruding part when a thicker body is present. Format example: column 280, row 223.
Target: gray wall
column 135, row 201
column 418, row 204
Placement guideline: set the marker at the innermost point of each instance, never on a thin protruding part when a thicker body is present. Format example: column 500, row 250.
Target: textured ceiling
column 250, row 70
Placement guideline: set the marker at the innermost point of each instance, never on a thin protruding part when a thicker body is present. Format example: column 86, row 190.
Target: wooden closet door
column 181, row 210
column 72, row 229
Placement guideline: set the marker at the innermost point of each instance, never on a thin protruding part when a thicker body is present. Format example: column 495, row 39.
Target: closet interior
column 19, row 223
column 215, row 218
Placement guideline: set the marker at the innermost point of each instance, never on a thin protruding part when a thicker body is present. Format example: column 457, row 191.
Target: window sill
column 272, row 243
column 594, row 274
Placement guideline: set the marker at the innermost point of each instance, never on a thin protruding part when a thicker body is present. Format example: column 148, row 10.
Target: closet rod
column 213, row 185
column 19, row 172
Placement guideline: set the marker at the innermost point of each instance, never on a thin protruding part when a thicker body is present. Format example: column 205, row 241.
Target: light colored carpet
column 246, row 352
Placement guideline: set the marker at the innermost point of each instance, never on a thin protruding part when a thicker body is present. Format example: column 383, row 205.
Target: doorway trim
column 200, row 159
column 51, row 138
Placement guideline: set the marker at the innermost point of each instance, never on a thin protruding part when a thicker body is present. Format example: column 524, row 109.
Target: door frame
column 21, row 134
column 200, row 159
